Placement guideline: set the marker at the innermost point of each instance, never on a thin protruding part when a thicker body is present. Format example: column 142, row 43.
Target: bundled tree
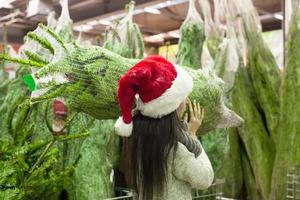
column 191, row 39
column 102, row 70
column 29, row 164
column 34, row 123
column 287, row 136
column 124, row 37
column 261, row 153
column 213, row 28
column 30, row 169
column 65, row 23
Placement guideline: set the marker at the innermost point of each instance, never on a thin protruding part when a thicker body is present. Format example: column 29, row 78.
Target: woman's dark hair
column 147, row 153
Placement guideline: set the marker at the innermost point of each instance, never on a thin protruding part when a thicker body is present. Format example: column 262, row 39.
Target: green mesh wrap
column 288, row 140
column 65, row 24
column 214, row 32
column 191, row 39
column 87, row 76
column 99, row 153
column 124, row 37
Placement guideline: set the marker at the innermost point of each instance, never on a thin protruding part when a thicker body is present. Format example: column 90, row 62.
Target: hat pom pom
column 123, row 129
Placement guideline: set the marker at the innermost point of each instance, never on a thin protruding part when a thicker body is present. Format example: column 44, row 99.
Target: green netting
column 124, row 37
column 95, row 155
column 216, row 146
column 191, row 39
column 87, row 76
column 288, row 140
column 51, row 21
column 263, row 68
column 25, row 122
column 64, row 25
column 214, row 32
column 227, row 59
column 93, row 178
column 254, row 97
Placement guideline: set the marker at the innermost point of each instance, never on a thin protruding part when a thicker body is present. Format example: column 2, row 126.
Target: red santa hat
column 156, row 86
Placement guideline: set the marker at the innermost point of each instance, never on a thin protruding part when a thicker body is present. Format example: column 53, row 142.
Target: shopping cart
column 123, row 194
column 213, row 193
column 293, row 184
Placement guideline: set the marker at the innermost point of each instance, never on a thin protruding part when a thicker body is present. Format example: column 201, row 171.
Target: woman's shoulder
column 181, row 153
column 181, row 149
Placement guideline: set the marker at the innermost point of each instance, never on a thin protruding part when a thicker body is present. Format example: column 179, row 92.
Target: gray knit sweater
column 185, row 171
column 191, row 143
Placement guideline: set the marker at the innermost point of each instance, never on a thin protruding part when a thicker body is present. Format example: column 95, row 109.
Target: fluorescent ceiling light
column 169, row 3
column 93, row 23
column 278, row 16
column 33, row 8
column 155, row 38
column 152, row 10
column 266, row 17
column 77, row 28
column 162, row 36
column 6, row 3
column 86, row 27
column 83, row 28
column 174, row 34
column 161, row 5
column 104, row 22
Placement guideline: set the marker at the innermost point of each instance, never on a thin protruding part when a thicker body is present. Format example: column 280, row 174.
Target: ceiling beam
column 169, row 13
column 120, row 13
column 10, row 22
column 149, row 30
column 104, row 7
column 12, row 15
column 81, row 4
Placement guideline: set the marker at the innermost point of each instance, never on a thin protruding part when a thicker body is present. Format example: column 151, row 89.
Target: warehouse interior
column 66, row 133
column 93, row 16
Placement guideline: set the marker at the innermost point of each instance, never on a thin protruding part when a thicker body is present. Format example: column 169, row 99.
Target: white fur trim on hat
column 170, row 100
column 123, row 129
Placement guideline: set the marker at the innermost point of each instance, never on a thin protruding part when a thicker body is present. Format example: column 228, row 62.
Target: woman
column 158, row 162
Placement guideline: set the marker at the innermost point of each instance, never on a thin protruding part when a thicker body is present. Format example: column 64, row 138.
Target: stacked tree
column 124, row 37
column 263, row 150
column 191, row 39
column 288, row 134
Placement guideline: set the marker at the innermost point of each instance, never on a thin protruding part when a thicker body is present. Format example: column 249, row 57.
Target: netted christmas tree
column 259, row 157
column 124, row 37
column 33, row 124
column 191, row 39
column 87, row 77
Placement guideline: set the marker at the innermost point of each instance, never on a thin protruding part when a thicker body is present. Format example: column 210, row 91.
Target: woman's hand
column 196, row 117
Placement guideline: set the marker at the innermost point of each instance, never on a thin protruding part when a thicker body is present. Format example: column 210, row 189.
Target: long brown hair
column 147, row 153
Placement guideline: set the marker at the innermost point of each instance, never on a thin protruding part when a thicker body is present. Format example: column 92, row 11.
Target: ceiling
column 83, row 11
